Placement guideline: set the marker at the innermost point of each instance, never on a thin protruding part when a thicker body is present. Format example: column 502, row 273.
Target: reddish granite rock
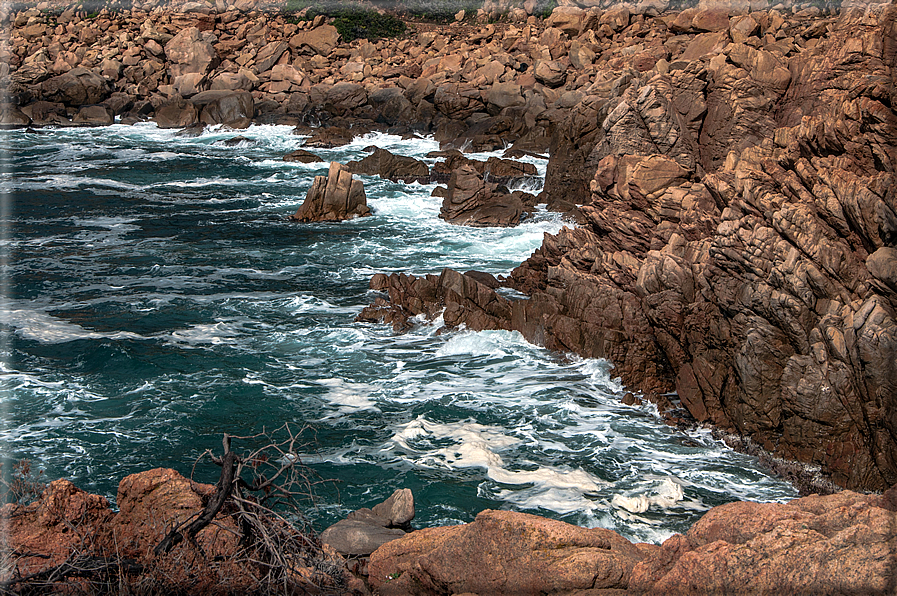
column 504, row 552
column 56, row 524
column 472, row 201
column 335, row 197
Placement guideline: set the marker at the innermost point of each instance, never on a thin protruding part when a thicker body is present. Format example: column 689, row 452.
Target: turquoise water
column 159, row 298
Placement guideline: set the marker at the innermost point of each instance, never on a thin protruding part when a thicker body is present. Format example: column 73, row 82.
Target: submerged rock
column 335, row 197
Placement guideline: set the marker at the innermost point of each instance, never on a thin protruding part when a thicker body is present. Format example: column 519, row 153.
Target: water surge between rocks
column 162, row 298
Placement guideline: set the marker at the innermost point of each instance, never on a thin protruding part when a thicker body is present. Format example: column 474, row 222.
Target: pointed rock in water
column 335, row 197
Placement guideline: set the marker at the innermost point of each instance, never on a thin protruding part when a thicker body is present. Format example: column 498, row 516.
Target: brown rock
column 504, row 552
column 391, row 167
column 94, row 116
column 551, row 73
column 473, row 202
column 358, row 538
column 398, row 509
column 335, row 197
column 269, row 55
column 302, row 156
column 177, row 113
column 45, row 526
column 840, row 544
column 343, row 98
column 320, row 40
column 188, row 53
column 12, row 117
column 234, row 109
column 712, row 20
column 77, row 87
column 327, row 138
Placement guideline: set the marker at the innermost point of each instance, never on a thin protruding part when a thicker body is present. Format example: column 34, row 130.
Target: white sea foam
column 349, row 397
column 664, row 496
column 42, row 327
column 221, row 332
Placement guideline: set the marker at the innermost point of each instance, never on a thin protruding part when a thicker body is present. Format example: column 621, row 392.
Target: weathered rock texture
column 471, row 201
column 739, row 222
column 839, row 544
column 334, row 197
column 366, row 530
column 391, row 167
column 503, row 552
column 68, row 525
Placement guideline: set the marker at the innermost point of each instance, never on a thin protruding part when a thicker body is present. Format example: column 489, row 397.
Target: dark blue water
column 159, row 298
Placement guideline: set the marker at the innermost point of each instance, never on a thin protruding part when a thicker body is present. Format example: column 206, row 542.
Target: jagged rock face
column 471, row 201
column 737, row 245
column 839, row 544
column 764, row 285
column 335, row 197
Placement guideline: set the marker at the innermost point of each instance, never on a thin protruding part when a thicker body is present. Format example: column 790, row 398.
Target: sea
column 158, row 297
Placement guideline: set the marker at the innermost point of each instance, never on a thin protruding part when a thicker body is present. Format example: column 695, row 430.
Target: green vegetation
column 544, row 10
column 362, row 24
column 439, row 11
column 352, row 21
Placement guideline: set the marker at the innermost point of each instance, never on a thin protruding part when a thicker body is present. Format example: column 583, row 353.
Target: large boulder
column 12, row 117
column 366, row 530
column 77, row 87
column 391, row 167
column 231, row 108
column 504, row 552
column 472, row 201
column 177, row 113
column 343, row 98
column 320, row 40
column 94, row 116
column 335, row 197
column 188, row 52
column 330, row 137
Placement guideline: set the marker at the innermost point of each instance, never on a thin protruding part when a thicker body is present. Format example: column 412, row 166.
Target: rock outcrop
column 503, row 552
column 391, row 167
column 471, row 201
column 334, row 197
column 64, row 539
column 839, row 544
column 738, row 223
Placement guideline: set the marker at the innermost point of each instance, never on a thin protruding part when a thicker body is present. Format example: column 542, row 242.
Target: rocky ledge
column 736, row 253
column 838, row 544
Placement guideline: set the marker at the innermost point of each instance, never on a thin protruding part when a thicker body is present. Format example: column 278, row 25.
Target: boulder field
column 837, row 544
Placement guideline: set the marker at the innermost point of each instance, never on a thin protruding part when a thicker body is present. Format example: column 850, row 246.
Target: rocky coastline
column 837, row 544
column 730, row 169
